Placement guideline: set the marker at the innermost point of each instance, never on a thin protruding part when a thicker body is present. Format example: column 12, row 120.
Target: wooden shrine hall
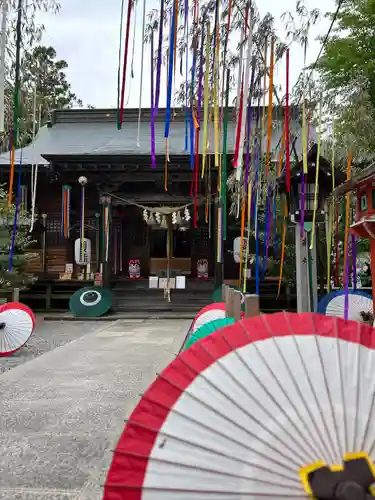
column 85, row 143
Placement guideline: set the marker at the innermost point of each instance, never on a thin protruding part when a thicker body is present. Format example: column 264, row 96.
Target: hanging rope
column 16, row 96
column 142, row 63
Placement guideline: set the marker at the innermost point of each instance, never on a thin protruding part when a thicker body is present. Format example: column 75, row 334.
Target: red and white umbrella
column 17, row 323
column 280, row 406
column 209, row 313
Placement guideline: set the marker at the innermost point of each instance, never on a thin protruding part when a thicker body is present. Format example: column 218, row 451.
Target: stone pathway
column 62, row 413
column 48, row 336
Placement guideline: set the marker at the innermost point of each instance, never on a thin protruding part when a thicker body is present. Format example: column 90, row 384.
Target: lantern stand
column 306, row 259
column 105, row 268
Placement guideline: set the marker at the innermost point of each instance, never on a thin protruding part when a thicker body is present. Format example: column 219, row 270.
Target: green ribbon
column 224, row 172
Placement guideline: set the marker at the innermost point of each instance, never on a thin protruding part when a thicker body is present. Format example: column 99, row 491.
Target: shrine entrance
column 181, row 251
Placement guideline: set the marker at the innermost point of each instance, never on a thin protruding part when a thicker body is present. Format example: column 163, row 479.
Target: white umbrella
column 17, row 323
column 269, row 407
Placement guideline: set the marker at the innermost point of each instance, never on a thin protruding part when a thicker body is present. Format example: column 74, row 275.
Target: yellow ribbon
column 331, row 214
column 249, row 194
column 205, row 97
column 347, row 207
column 216, row 102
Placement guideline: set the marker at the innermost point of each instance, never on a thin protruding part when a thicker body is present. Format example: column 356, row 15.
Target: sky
column 86, row 34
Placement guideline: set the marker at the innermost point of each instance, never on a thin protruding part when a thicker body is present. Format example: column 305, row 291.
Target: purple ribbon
column 153, row 157
column 302, row 206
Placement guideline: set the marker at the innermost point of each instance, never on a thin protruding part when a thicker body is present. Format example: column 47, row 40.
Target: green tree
column 347, row 77
column 17, row 277
column 43, row 77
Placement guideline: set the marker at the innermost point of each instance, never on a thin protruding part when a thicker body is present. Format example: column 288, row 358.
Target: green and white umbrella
column 90, row 302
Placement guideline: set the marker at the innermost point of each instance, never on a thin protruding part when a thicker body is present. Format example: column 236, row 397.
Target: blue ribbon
column 170, row 74
column 18, row 198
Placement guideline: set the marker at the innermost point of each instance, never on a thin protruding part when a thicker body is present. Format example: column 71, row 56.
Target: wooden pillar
column 252, row 306
column 169, row 244
column 237, row 296
column 44, row 243
column 219, row 268
column 372, row 255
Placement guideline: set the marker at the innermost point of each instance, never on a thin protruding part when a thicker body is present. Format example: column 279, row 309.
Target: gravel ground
column 47, row 336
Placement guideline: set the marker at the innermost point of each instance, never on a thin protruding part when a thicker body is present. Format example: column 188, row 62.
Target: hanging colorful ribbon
column 270, row 107
column 127, row 34
column 246, row 92
column 224, row 175
column 35, row 178
column 14, row 232
column 169, row 92
column 152, row 124
column 158, row 66
column 257, row 187
column 205, row 97
column 186, row 28
column 287, row 148
column 354, row 262
column 346, row 238
column 4, row 24
column 65, row 222
column 283, row 240
column 316, row 192
column 16, row 97
column 142, row 63
column 266, row 232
